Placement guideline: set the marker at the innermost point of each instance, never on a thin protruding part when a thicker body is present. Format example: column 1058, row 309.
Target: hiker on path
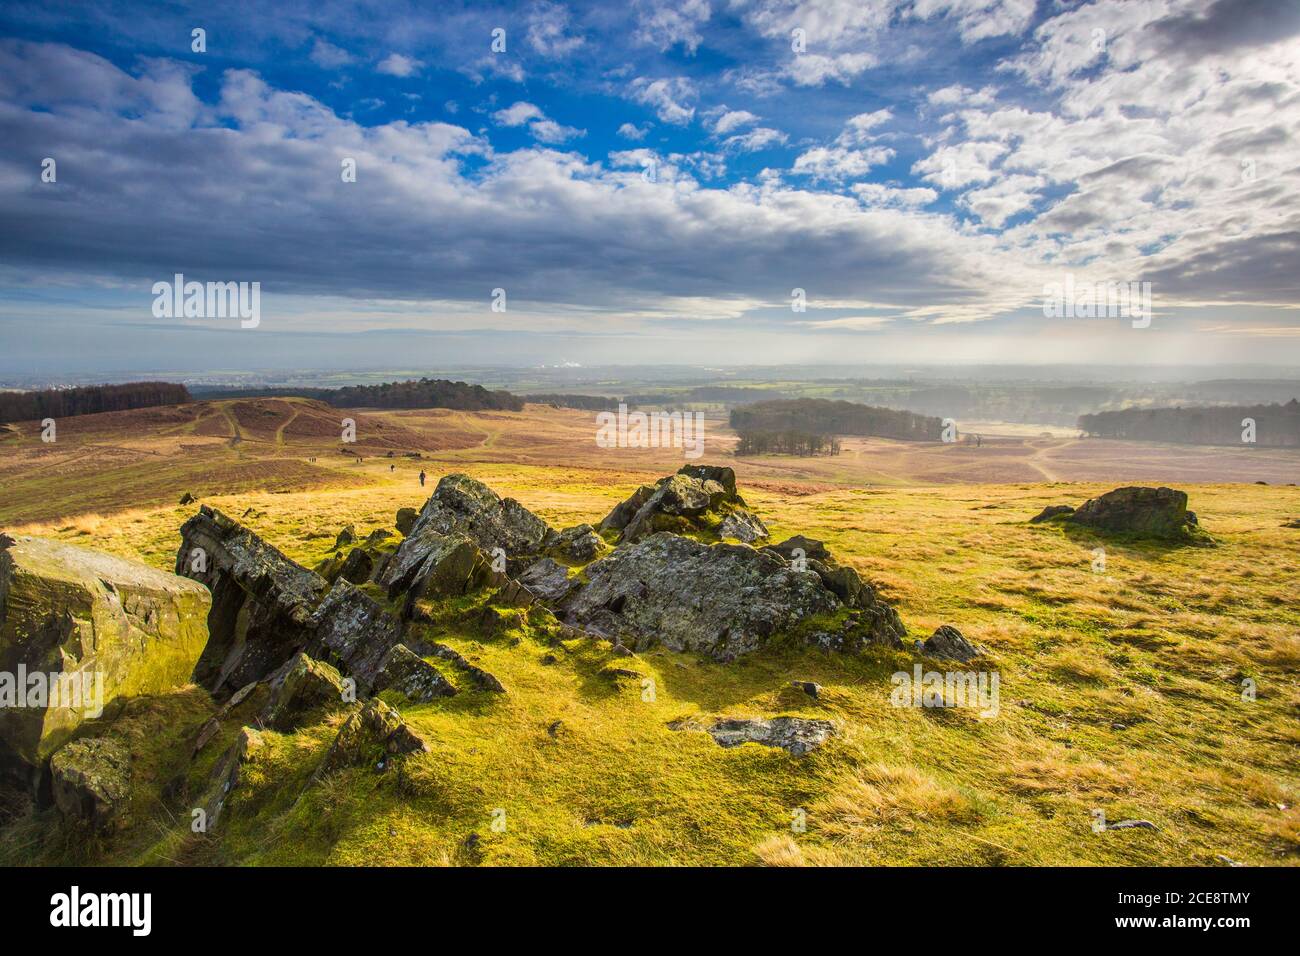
column 421, row 479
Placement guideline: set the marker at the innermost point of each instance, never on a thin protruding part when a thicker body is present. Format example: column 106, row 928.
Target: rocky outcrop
column 90, row 781
column 1142, row 512
column 548, row 580
column 227, row 774
column 78, row 629
column 261, row 601
column 462, row 507
column 372, row 735
column 722, row 600
column 801, row 548
column 579, row 545
column 434, row 565
column 796, row 735
column 406, row 518
column 412, row 676
column 699, row 498
column 948, row 643
column 353, row 631
column 309, row 687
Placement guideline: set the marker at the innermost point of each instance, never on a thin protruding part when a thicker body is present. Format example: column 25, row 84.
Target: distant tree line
column 88, row 400
column 789, row 441
column 425, row 393
column 1274, row 425
column 823, row 417
column 721, row 394
column 588, row 403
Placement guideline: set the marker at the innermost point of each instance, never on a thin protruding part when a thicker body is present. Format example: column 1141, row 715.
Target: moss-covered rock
column 412, row 676
column 94, row 627
column 90, row 782
column 374, row 733
column 310, row 687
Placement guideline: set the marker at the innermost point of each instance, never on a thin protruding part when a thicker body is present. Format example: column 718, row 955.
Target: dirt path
column 1037, row 459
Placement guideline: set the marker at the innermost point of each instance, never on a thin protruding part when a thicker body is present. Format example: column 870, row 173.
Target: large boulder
column 79, row 628
column 579, row 545
column 796, row 735
column 461, row 506
column 433, row 565
column 722, row 600
column 262, row 602
column 699, row 498
column 1138, row 511
column 412, row 676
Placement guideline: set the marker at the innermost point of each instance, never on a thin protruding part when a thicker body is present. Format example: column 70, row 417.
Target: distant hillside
column 421, row 393
column 1276, row 426
column 721, row 394
column 88, row 400
column 587, row 403
column 823, row 417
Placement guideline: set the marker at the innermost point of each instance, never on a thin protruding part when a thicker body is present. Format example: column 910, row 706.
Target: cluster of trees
column 88, row 399
column 424, row 393
column 788, row 442
column 1274, row 425
column 588, row 403
column 822, row 417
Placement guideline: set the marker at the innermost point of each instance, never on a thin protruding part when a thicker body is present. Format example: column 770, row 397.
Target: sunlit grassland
column 1121, row 691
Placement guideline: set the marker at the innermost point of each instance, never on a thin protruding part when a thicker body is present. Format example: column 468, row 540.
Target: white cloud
column 518, row 114
column 395, row 64
column 666, row 97
column 328, row 56
column 633, row 132
column 663, row 24
column 879, row 194
column 754, row 140
column 544, row 129
column 548, row 25
column 837, row 163
column 728, row 121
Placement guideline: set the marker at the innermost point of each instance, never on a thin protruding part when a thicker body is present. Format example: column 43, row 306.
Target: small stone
column 807, row 686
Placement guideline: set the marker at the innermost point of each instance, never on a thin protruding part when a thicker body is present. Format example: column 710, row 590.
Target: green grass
column 1120, row 691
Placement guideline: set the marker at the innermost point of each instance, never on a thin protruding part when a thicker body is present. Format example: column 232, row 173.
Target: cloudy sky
column 650, row 181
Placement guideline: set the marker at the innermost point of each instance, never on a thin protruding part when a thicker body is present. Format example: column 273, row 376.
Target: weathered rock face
column 372, row 735
column 461, row 506
column 261, row 601
column 548, row 580
column 722, row 600
column 351, row 629
column 743, row 526
column 227, row 773
column 103, row 626
column 796, row 735
column 406, row 518
column 433, row 565
column 309, row 687
column 1144, row 512
column 90, row 780
column 579, row 545
column 401, row 670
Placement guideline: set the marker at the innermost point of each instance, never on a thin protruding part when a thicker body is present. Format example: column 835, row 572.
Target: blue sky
column 649, row 182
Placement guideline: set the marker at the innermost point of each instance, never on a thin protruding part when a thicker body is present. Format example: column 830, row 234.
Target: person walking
column 421, row 479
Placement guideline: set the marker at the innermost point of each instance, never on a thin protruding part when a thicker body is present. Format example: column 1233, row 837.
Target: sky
column 705, row 182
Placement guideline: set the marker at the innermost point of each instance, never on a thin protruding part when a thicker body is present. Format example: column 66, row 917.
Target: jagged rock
column 697, row 498
column 377, row 537
column 346, row 537
column 721, row 600
column 430, row 564
column 947, row 642
column 401, row 670
column 358, row 566
column 743, row 526
column 579, row 544
column 309, row 687
column 87, row 628
column 371, row 735
column 795, row 735
column 809, row 548
column 513, row 594
column 548, row 579
column 1050, row 512
column 350, row 628
column 331, row 567
column 188, row 499
column 461, row 506
column 1145, row 512
column 495, row 620
column 227, row 772
column 406, row 518
column 261, row 601
column 90, row 781
column 626, row 510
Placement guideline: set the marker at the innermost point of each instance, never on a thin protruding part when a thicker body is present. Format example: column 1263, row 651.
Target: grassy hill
column 1120, row 692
